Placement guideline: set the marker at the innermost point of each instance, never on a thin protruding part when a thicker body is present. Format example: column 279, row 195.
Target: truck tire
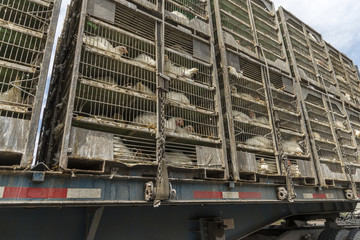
column 354, row 235
column 333, row 234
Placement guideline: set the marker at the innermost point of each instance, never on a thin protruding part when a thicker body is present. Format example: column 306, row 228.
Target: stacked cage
column 27, row 29
column 354, row 122
column 307, row 52
column 344, row 84
column 256, row 85
column 108, row 106
column 352, row 77
column 331, row 138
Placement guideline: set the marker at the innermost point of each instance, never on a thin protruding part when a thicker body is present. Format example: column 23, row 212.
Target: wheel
column 354, row 235
column 333, row 234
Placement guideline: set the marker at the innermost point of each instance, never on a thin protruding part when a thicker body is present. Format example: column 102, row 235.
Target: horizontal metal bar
column 12, row 26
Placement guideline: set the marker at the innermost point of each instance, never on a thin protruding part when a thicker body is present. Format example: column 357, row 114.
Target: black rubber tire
column 354, row 235
column 333, row 234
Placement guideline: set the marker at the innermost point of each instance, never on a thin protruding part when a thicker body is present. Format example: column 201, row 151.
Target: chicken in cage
column 188, row 122
column 192, row 94
column 134, row 149
column 18, row 87
column 187, row 10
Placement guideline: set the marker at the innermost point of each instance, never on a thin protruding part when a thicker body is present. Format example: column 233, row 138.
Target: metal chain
column 161, row 137
column 282, row 155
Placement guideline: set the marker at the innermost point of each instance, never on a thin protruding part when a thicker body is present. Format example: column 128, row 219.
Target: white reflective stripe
column 308, row 195
column 230, row 195
column 83, row 193
column 330, row 195
column 2, row 192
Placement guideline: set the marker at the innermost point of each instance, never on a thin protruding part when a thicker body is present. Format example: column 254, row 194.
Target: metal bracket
column 151, row 191
column 164, row 82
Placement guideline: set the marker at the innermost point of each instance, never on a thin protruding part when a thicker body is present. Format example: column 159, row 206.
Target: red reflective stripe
column 205, row 194
column 319, row 195
column 27, row 192
column 250, row 195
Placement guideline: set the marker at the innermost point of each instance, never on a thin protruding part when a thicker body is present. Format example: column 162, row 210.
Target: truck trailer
column 174, row 119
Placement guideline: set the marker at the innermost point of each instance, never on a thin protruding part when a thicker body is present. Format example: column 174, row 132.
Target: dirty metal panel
column 247, row 161
column 13, row 134
column 201, row 50
column 209, row 157
column 104, row 9
column 91, row 145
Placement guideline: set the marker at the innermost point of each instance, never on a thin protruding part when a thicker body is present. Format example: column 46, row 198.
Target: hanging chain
column 346, row 163
column 161, row 138
column 282, row 155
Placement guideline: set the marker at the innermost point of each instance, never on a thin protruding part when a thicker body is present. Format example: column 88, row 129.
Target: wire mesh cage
column 247, row 24
column 187, row 10
column 340, row 74
column 27, row 30
column 320, row 125
column 112, row 95
column 308, row 52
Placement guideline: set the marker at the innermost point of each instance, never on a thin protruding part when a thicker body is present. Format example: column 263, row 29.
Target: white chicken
column 104, row 44
column 179, row 97
column 234, row 72
column 263, row 120
column 340, row 125
column 178, row 156
column 147, row 119
column 121, row 151
column 141, row 88
column 181, row 71
column 188, row 129
column 240, row 115
column 263, row 167
column 143, row 58
column 180, row 15
column 246, row 96
column 233, row 89
column 347, row 97
column 317, row 136
column 312, row 37
column 340, row 78
column 13, row 94
column 292, row 146
column 259, row 141
column 357, row 133
column 174, row 123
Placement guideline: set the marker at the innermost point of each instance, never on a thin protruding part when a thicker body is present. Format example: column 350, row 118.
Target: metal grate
column 17, row 89
column 20, row 48
column 185, row 121
column 135, row 22
column 27, row 13
column 187, row 9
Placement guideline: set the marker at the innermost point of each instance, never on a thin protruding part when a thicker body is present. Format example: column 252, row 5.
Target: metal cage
column 308, row 52
column 252, row 27
column 27, row 30
column 110, row 94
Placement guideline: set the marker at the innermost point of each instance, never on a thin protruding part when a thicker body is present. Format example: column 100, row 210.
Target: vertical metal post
column 28, row 156
column 72, row 92
column 162, row 190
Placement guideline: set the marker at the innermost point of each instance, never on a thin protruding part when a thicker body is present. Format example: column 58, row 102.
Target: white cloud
column 337, row 21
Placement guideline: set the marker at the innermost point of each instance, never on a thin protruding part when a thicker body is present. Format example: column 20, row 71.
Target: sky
column 338, row 21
